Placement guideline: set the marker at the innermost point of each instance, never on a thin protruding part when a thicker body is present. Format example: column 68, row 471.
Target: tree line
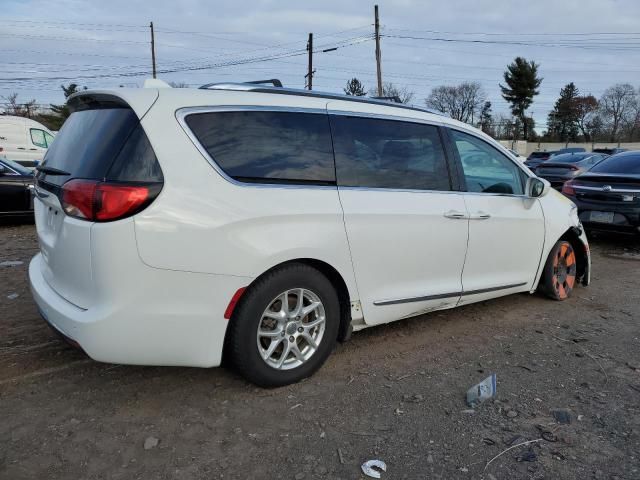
column 576, row 117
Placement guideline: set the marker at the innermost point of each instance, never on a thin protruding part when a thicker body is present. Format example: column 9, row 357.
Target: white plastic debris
column 484, row 390
column 368, row 468
column 12, row 296
column 11, row 263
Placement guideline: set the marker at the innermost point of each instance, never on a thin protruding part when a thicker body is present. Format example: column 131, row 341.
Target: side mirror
column 537, row 187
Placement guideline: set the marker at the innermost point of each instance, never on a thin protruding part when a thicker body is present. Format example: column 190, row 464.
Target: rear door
column 506, row 228
column 407, row 227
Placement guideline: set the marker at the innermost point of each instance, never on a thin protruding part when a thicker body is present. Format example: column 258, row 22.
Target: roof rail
column 392, row 98
column 259, row 87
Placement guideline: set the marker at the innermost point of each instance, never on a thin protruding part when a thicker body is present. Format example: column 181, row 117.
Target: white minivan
column 262, row 224
column 23, row 140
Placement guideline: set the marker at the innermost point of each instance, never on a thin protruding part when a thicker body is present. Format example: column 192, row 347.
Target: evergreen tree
column 522, row 82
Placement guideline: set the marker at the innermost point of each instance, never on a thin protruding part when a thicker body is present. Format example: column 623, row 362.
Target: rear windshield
column 568, row 158
column 539, row 154
column 104, row 143
column 620, row 163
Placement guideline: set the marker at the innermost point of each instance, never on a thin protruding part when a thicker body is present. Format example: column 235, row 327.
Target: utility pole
column 153, row 50
column 378, row 54
column 309, row 74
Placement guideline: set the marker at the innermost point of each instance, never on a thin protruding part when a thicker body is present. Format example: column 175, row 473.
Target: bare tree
column 617, row 107
column 586, row 109
column 392, row 91
column 462, row 102
column 12, row 107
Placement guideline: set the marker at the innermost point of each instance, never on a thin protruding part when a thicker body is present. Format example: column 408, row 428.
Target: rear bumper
column 626, row 220
column 167, row 318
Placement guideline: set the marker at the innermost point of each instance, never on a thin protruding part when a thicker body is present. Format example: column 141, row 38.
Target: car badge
column 607, row 188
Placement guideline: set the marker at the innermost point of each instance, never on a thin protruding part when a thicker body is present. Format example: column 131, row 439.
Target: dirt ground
column 394, row 392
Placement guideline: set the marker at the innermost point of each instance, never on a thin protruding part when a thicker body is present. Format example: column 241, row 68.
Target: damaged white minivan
column 261, row 225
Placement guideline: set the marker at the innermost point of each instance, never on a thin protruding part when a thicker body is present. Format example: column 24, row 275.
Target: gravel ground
column 395, row 393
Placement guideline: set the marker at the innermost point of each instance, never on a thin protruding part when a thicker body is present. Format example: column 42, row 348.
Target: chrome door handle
column 456, row 215
column 480, row 216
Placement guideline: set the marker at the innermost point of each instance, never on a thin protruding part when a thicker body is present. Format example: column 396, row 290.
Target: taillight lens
column 103, row 202
column 567, row 188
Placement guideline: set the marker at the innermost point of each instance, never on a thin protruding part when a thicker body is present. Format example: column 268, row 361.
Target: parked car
column 23, row 140
column 566, row 166
column 265, row 224
column 16, row 184
column 536, row 158
column 609, row 151
column 608, row 196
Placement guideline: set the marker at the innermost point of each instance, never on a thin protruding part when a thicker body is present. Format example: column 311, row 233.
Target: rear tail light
column 567, row 188
column 104, row 202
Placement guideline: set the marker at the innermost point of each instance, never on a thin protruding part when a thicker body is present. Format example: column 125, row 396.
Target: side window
column 379, row 153
column 37, row 137
column 486, row 170
column 271, row 147
column 49, row 138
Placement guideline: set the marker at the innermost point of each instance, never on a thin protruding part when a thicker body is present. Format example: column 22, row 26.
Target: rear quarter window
column 102, row 143
column 267, row 147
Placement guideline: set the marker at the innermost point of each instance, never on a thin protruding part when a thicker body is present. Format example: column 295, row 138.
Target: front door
column 407, row 229
column 506, row 228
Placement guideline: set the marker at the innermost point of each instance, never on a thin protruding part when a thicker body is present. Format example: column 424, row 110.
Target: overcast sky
column 46, row 43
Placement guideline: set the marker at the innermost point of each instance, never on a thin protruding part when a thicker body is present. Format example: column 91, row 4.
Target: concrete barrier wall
column 525, row 148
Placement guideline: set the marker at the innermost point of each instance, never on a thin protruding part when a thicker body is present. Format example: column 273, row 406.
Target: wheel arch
column 336, row 279
column 572, row 235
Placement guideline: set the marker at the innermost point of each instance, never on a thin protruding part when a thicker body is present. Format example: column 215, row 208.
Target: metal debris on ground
column 484, row 390
column 369, row 470
column 12, row 296
column 562, row 415
column 11, row 263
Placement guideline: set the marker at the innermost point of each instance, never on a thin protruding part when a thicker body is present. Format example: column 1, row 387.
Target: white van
column 23, row 140
column 263, row 224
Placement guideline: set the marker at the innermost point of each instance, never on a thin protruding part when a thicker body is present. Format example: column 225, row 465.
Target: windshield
column 15, row 166
column 620, row 163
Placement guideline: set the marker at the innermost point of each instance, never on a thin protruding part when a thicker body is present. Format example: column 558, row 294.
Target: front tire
column 285, row 326
column 559, row 274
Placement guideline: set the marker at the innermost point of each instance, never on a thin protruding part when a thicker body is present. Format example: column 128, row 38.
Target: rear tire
column 559, row 274
column 285, row 326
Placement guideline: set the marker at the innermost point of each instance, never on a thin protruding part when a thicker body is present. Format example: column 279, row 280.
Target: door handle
column 456, row 215
column 480, row 216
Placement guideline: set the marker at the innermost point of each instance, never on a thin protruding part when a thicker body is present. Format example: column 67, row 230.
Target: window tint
column 91, row 141
column 275, row 147
column 485, row 169
column 621, row 163
column 388, row 154
column 37, row 138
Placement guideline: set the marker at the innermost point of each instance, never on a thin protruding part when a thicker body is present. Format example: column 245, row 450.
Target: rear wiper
column 51, row 171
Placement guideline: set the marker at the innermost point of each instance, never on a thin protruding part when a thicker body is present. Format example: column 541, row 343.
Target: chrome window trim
column 599, row 189
column 182, row 113
column 440, row 296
